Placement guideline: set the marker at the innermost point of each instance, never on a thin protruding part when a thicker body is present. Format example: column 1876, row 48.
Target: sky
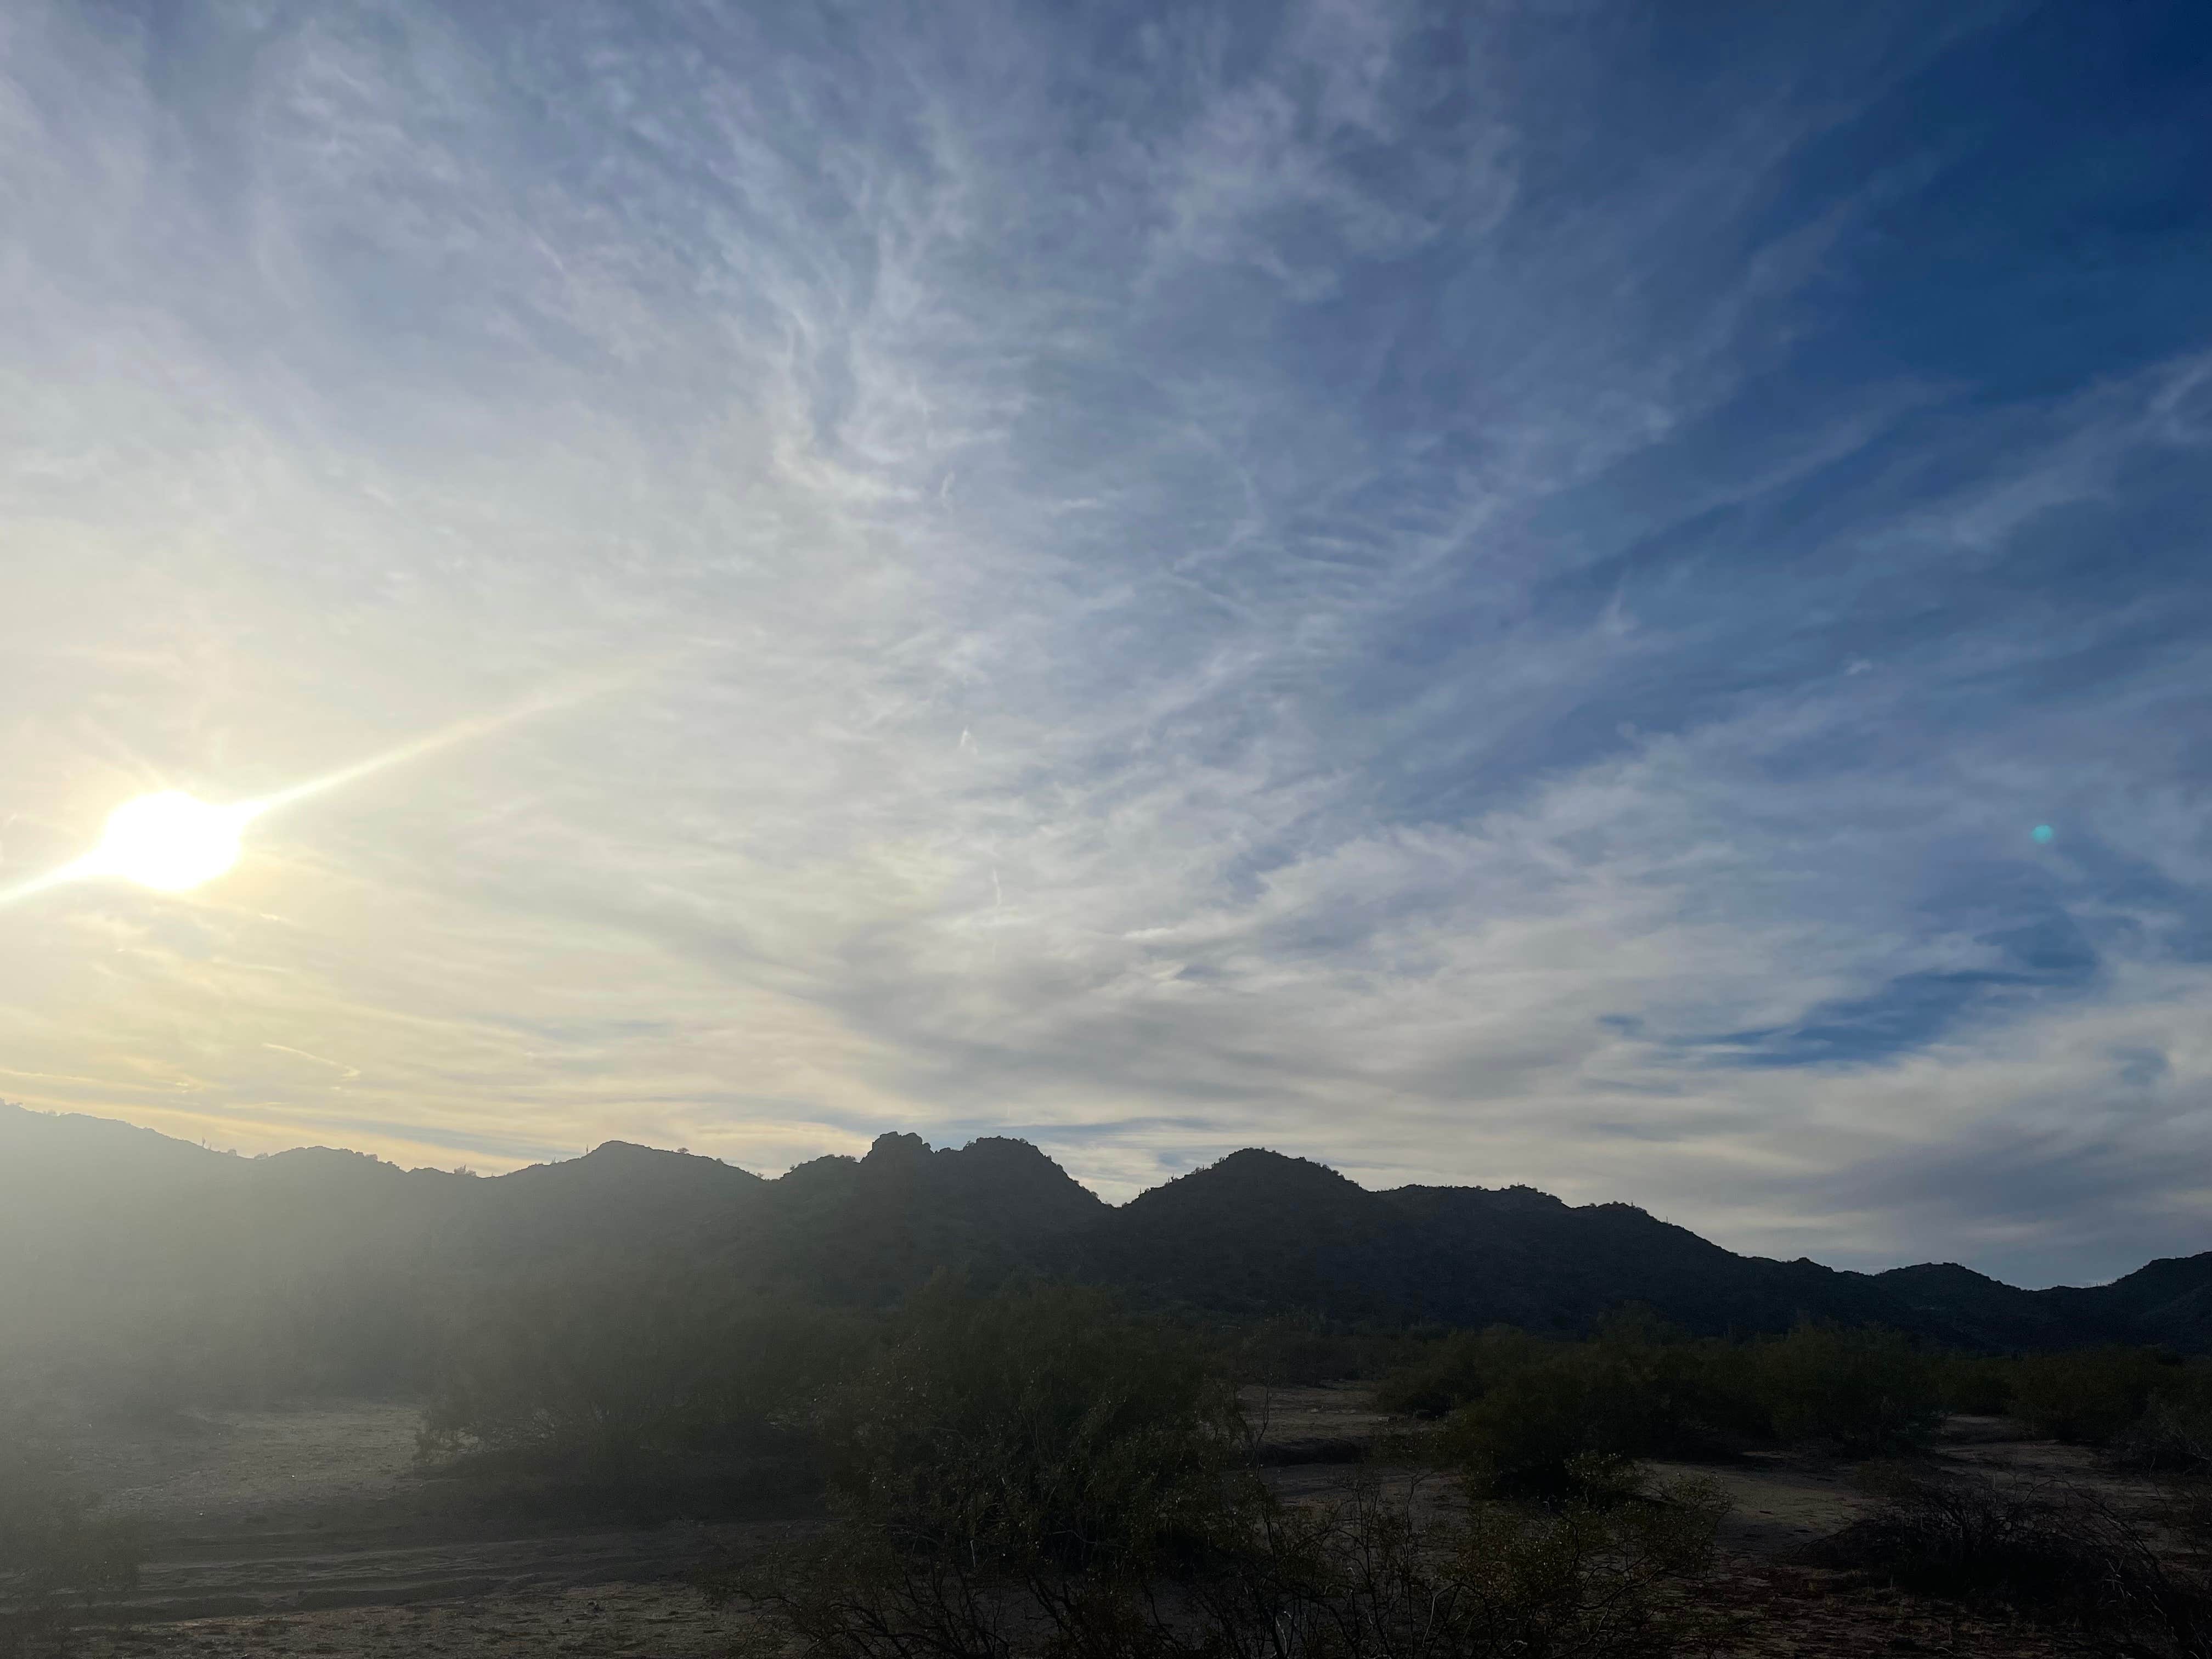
column 1483, row 593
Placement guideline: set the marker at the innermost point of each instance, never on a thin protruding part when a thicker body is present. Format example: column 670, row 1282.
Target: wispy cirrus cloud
column 1483, row 598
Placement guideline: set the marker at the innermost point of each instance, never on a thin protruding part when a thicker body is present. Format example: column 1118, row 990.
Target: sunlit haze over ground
column 1615, row 598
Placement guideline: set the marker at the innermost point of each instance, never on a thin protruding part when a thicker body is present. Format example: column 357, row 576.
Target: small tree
column 1864, row 1389
column 1041, row 1475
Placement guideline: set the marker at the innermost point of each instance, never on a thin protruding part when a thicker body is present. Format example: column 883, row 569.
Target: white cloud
column 377, row 372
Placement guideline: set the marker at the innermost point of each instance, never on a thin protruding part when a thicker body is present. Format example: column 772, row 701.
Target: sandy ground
column 1779, row 1503
column 312, row 1531
column 223, row 1470
column 660, row 1621
column 1323, row 1425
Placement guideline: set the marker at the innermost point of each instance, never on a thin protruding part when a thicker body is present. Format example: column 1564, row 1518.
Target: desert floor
column 312, row 1531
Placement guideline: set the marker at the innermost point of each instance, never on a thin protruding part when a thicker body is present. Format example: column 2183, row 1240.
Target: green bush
column 1636, row 1389
column 1381, row 1576
column 2091, row 1395
column 1461, row 1368
column 2054, row 1553
column 1978, row 1385
column 1039, row 1472
column 1291, row 1352
column 1521, row 1408
column 621, row 1377
column 2174, row 1433
column 1037, row 1424
column 1862, row 1389
column 1008, row 1472
column 1523, row 1436
column 1600, row 1575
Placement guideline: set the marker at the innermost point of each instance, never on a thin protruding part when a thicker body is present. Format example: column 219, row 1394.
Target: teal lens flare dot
column 2043, row 833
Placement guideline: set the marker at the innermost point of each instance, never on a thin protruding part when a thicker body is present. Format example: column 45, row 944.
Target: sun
column 170, row 841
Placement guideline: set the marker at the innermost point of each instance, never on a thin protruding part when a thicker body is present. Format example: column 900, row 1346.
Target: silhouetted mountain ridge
column 111, row 1231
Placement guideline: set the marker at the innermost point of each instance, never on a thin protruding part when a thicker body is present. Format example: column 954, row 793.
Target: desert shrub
column 1289, row 1352
column 1520, row 1436
column 1007, row 1471
column 620, row 1378
column 1636, row 1388
column 1461, row 1368
column 1860, row 1389
column 2090, row 1395
column 1979, row 1385
column 1042, row 1422
column 2173, row 1435
column 1377, row 1576
column 2052, row 1553
column 1598, row 1575
column 1040, row 1472
column 1370, row 1577
column 57, row 1557
column 2189, row 1509
column 1526, row 1404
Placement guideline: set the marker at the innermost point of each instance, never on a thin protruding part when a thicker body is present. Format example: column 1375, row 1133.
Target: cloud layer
column 1483, row 598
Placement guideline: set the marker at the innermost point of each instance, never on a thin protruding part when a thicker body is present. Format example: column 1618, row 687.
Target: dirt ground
column 1780, row 1504
column 648, row 1620
column 312, row 1531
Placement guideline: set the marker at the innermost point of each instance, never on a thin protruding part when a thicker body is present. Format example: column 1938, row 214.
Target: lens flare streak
column 172, row 842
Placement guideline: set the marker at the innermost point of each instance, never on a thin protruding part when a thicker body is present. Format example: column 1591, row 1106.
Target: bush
column 1007, row 1471
column 2089, row 1395
column 1601, row 1577
column 57, row 1558
column 2050, row 1552
column 1286, row 1353
column 1521, row 1408
column 2173, row 1435
column 1463, row 1367
column 1979, row 1385
column 1636, row 1388
column 1040, row 1472
column 1367, row 1578
column 1039, row 1424
column 628, row 1381
column 1527, row 1437
column 1861, row 1390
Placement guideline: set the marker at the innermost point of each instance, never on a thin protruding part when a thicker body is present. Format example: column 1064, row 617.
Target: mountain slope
column 1259, row 1232
column 320, row 1268
column 1256, row 1232
column 57, row 1172
column 864, row 1231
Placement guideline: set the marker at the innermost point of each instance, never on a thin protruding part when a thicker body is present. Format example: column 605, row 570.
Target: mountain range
column 117, row 1241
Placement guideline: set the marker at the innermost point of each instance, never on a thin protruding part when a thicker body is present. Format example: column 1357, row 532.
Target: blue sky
column 1485, row 595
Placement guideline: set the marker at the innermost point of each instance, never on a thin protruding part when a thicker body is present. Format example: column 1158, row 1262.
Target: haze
column 1609, row 600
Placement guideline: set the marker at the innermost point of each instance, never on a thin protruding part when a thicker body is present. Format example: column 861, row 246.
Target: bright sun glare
column 170, row 841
